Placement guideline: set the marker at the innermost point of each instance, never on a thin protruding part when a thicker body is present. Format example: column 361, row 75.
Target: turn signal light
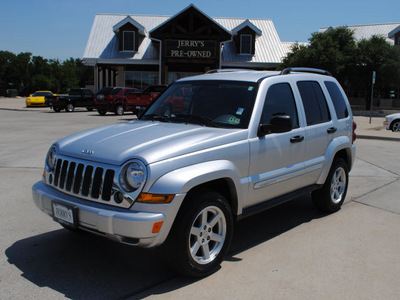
column 354, row 132
column 155, row 198
column 157, row 227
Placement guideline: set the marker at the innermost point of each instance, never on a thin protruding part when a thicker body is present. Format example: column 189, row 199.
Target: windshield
column 227, row 104
column 39, row 94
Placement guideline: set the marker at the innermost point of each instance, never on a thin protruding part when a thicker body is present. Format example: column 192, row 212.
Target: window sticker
column 250, row 88
column 233, row 120
column 240, row 111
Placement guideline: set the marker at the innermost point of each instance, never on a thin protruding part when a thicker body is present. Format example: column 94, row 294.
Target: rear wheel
column 89, row 108
column 331, row 196
column 101, row 112
column 201, row 235
column 56, row 109
column 70, row 107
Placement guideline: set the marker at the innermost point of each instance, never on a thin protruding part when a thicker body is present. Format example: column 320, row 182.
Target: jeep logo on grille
column 87, row 151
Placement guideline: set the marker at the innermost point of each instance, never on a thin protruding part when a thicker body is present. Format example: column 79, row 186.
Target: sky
column 59, row 29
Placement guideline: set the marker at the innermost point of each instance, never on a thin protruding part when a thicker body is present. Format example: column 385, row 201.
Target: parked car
column 137, row 102
column 112, row 99
column 392, row 122
column 77, row 97
column 38, row 98
column 180, row 176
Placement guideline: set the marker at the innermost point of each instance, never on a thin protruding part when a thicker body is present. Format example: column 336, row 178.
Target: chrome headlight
column 133, row 175
column 51, row 159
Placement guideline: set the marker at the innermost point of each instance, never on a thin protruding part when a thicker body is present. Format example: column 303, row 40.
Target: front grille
column 88, row 181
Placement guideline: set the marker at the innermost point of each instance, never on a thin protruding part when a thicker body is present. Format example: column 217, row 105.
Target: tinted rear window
column 314, row 102
column 116, row 91
column 338, row 100
column 104, row 91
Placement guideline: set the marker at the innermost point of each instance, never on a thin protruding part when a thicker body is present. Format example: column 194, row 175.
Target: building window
column 245, row 44
column 129, row 41
column 174, row 76
column 140, row 80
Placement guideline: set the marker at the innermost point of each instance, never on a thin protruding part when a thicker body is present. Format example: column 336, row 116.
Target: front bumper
column 122, row 225
column 386, row 124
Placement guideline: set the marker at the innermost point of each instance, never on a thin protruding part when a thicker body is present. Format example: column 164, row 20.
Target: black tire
column 119, row 110
column 331, row 196
column 70, row 107
column 395, row 126
column 89, row 108
column 211, row 239
column 101, row 112
column 56, row 109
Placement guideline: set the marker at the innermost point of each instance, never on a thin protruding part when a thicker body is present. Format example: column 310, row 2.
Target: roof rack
column 307, row 70
column 226, row 70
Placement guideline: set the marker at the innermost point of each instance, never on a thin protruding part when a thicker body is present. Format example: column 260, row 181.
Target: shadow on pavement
column 80, row 265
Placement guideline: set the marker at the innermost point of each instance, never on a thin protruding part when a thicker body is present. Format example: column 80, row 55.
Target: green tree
column 333, row 50
column 376, row 54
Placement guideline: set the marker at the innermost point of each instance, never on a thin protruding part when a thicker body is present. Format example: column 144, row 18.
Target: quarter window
column 129, row 41
column 280, row 101
column 314, row 102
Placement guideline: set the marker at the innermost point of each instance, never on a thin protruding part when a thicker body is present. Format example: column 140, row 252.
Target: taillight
column 354, row 132
column 58, row 99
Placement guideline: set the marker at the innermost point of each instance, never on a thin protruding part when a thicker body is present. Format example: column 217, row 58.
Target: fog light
column 118, row 197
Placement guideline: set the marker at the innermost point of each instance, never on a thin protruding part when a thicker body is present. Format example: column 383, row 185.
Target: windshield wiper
column 154, row 117
column 197, row 120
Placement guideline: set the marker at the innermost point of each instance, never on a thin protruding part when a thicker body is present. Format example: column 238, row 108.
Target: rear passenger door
column 319, row 130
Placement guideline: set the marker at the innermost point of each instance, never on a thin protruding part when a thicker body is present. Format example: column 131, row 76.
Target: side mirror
column 278, row 124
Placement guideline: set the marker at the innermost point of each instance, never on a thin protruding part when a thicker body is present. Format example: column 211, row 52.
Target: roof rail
column 226, row 70
column 307, row 70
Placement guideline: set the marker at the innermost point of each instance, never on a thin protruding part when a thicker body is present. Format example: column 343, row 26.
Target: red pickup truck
column 136, row 102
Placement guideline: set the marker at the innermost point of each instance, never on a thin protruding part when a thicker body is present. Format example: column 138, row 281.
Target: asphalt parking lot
column 289, row 252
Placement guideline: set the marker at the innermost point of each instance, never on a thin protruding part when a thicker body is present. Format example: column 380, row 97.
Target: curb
column 382, row 138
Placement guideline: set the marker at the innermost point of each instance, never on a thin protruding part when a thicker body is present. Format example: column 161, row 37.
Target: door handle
column 331, row 130
column 296, row 139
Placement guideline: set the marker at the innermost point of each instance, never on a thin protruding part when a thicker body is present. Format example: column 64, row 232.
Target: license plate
column 65, row 214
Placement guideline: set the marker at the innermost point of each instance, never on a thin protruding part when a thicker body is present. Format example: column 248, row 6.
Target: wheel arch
column 340, row 147
column 220, row 176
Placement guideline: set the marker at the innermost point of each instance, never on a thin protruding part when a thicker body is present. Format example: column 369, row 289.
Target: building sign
column 190, row 49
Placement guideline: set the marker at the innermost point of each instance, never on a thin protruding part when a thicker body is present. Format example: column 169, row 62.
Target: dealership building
column 138, row 51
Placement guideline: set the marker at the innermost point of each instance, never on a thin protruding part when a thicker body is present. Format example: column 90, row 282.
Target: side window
column 280, row 101
column 314, row 102
column 337, row 98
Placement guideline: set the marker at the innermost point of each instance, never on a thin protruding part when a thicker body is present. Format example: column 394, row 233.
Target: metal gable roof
column 103, row 45
column 367, row 31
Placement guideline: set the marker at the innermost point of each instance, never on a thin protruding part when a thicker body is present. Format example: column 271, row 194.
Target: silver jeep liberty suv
column 210, row 150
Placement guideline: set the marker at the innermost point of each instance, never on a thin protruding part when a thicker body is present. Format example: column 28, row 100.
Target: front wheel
column 331, row 196
column 201, row 235
column 102, row 112
column 396, row 126
column 56, row 109
column 70, row 107
column 119, row 110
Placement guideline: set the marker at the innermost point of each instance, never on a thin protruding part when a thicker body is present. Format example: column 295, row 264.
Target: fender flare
column 336, row 145
column 181, row 181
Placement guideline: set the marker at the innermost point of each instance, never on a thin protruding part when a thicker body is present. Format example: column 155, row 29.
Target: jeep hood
column 146, row 140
